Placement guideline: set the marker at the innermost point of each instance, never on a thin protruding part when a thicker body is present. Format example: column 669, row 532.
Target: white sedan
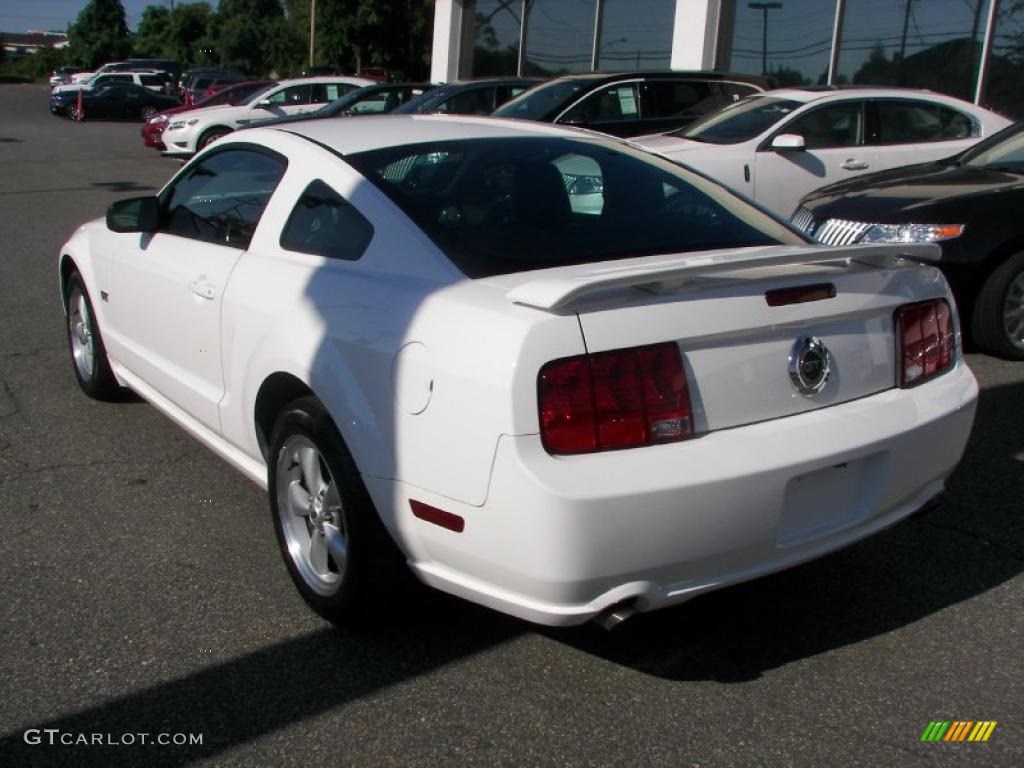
column 778, row 146
column 193, row 130
column 405, row 329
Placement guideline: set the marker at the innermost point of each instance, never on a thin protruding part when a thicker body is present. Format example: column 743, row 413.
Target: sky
column 23, row 15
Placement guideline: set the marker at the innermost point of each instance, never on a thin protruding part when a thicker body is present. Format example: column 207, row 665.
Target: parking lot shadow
column 239, row 701
column 122, row 186
column 971, row 543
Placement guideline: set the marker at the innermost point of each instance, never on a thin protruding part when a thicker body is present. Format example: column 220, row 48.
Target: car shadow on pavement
column 242, row 700
column 122, row 186
column 971, row 543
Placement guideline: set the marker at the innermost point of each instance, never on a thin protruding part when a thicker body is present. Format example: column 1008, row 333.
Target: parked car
column 631, row 103
column 403, row 329
column 152, row 79
column 194, row 130
column 117, row 100
column 468, row 97
column 777, row 147
column 970, row 204
column 231, row 95
column 199, row 82
column 128, row 65
column 63, row 75
column 368, row 100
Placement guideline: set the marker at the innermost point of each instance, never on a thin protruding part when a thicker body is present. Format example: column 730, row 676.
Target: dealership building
column 972, row 49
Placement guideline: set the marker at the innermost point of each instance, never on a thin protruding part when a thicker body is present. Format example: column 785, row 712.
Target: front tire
column 338, row 553
column 85, row 344
column 211, row 136
column 998, row 319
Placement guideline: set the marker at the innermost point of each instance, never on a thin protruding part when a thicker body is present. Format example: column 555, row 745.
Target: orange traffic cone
column 79, row 113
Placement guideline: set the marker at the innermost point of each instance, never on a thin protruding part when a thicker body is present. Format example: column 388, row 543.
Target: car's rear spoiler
column 553, row 293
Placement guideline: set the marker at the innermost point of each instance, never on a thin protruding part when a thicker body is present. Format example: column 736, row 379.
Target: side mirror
column 137, row 214
column 263, row 104
column 788, row 142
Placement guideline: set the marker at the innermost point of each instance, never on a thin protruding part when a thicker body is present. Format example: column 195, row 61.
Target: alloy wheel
column 311, row 515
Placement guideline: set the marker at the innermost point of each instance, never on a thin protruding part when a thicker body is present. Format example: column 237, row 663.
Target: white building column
column 695, row 34
column 446, row 53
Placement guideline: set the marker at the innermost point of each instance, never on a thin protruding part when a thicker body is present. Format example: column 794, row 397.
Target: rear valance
column 552, row 293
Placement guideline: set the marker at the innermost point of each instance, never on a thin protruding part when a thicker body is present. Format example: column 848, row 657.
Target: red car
column 233, row 94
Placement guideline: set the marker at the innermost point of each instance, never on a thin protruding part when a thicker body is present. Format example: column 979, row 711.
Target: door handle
column 203, row 289
column 854, row 165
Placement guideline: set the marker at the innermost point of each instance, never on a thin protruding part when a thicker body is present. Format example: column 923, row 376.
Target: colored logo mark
column 958, row 730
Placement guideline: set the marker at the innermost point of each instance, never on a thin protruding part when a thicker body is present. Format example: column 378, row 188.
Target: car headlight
column 158, row 119
column 912, row 233
column 178, row 124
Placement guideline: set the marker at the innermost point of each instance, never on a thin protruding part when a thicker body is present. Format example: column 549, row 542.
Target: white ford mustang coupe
column 436, row 355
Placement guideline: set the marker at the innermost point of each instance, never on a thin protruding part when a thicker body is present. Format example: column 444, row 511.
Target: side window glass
column 479, row 101
column 955, row 125
column 324, row 92
column 324, row 224
column 297, row 94
column 221, row 199
column 617, row 102
column 835, row 125
column 679, row 98
column 736, row 91
column 908, row 122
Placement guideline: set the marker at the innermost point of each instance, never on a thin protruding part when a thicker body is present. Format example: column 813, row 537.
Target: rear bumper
column 560, row 540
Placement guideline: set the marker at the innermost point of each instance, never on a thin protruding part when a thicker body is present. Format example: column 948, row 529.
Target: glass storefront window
column 1006, row 63
column 793, row 48
column 559, row 37
column 495, row 38
column 933, row 44
column 636, row 34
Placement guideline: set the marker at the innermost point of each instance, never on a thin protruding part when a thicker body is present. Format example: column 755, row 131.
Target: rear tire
column 147, row 112
column 997, row 324
column 338, row 553
column 211, row 136
column 85, row 344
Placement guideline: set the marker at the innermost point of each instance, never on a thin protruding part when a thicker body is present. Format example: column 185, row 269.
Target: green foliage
column 261, row 37
column 394, row 34
column 188, row 34
column 100, row 33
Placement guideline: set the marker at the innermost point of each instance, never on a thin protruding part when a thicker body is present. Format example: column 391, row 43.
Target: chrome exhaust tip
column 614, row 615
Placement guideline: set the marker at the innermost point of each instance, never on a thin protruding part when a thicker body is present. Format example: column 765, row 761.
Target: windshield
column 538, row 103
column 497, row 206
column 426, row 102
column 738, row 122
column 1004, row 151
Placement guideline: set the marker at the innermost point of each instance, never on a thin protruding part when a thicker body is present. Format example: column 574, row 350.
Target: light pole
column 312, row 31
column 764, row 8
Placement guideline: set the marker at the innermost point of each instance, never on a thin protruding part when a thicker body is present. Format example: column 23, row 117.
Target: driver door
column 162, row 291
column 834, row 150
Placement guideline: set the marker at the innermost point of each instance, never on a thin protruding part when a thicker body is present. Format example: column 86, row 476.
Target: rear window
column 498, row 206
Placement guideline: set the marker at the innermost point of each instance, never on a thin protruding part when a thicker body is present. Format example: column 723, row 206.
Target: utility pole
column 764, row 8
column 903, row 41
column 312, row 32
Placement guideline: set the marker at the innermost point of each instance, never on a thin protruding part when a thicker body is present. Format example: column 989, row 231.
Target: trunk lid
column 737, row 349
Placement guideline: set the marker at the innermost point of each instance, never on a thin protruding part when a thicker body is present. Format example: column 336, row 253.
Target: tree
column 100, row 33
column 153, row 38
column 352, row 34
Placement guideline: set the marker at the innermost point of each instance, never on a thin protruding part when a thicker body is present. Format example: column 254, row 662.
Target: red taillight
column 924, row 339
column 616, row 399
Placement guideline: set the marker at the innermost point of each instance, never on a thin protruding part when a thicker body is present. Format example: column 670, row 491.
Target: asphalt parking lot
column 141, row 590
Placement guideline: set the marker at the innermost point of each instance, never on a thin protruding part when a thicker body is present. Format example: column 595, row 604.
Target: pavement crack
column 9, row 402
column 978, row 537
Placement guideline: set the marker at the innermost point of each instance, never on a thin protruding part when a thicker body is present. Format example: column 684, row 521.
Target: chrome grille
column 841, row 232
column 803, row 220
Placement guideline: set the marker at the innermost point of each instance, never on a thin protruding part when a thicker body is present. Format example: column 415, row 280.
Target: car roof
column 833, row 93
column 381, row 131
